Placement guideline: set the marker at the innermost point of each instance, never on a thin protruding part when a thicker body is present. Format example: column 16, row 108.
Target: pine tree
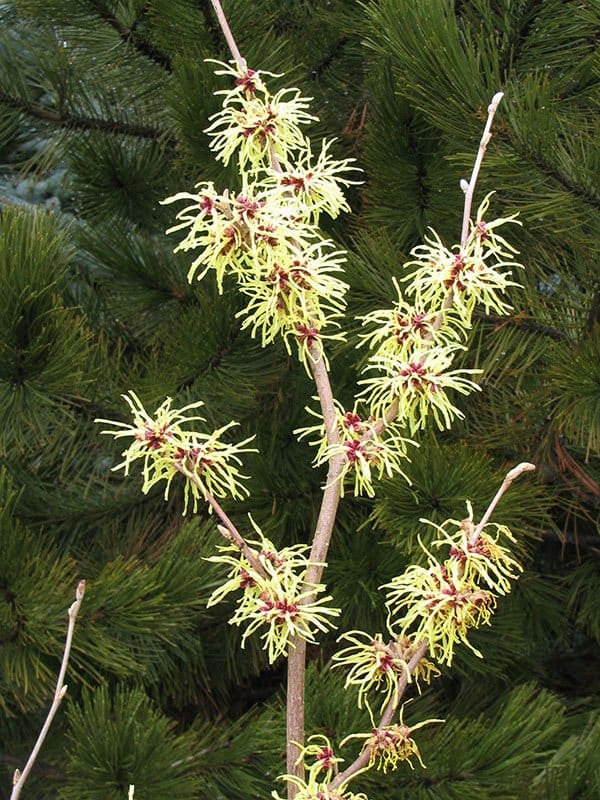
column 104, row 105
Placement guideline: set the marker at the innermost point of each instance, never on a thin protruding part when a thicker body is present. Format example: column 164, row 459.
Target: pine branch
column 211, row 28
column 526, row 323
column 559, row 176
column 517, row 37
column 128, row 36
column 335, row 52
column 77, row 122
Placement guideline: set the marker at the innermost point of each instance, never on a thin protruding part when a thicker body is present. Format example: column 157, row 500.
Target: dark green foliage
column 43, row 347
column 120, row 740
column 103, row 107
column 35, row 582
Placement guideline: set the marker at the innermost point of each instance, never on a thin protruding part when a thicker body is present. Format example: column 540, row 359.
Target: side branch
column 19, row 777
column 77, row 122
column 228, row 530
column 361, row 762
column 469, row 188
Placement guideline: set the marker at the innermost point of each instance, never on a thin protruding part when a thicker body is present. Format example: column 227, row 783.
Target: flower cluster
column 419, row 383
column 471, row 274
column 415, row 343
column 317, row 183
column 390, row 745
column 325, row 762
column 401, row 330
column 313, row 789
column 480, row 555
column 275, row 599
column 266, row 237
column 379, row 666
column 167, row 449
column 441, row 602
column 365, row 454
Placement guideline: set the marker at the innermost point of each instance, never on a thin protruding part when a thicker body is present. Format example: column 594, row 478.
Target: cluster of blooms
column 441, row 602
column 415, row 344
column 480, row 556
column 266, row 236
column 167, row 449
column 419, row 383
column 274, row 600
column 320, row 773
column 312, row 789
column 390, row 745
column 409, row 372
column 366, row 454
column 378, row 666
column 474, row 274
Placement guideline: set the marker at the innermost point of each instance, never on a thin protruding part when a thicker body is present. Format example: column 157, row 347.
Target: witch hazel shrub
column 265, row 239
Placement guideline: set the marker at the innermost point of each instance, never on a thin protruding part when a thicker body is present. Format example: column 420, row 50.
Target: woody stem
column 237, row 56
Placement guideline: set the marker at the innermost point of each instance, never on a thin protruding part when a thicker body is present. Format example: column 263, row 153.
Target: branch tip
column 524, row 466
column 495, row 102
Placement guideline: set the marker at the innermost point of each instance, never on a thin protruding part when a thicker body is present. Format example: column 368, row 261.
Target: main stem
column 318, row 555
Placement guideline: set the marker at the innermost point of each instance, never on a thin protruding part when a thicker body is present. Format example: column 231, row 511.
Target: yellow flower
column 367, row 455
column 325, row 761
column 391, row 745
column 474, row 274
column 438, row 604
column 167, row 449
column 314, row 186
column 482, row 558
column 376, row 665
column 295, row 290
column 313, row 789
column 401, row 330
column 259, row 128
column 278, row 606
column 419, row 384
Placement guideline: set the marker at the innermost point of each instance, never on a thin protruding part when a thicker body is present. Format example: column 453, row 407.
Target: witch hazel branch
column 266, row 240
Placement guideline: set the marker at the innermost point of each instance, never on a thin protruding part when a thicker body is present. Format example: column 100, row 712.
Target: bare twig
column 510, row 477
column 469, row 188
column 19, row 777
